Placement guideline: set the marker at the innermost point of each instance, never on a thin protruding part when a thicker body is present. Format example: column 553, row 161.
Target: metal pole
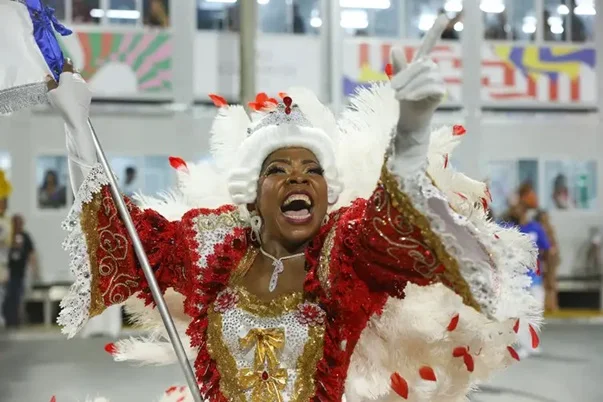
column 248, row 27
column 148, row 271
column 470, row 150
column 335, row 53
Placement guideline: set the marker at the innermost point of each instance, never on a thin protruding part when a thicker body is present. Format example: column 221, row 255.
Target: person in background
column 5, row 191
column 550, row 275
column 519, row 215
column 21, row 255
column 157, row 14
column 560, row 194
column 52, row 194
column 81, row 12
column 129, row 187
column 298, row 22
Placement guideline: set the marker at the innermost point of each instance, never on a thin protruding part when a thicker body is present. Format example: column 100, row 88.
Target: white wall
column 133, row 131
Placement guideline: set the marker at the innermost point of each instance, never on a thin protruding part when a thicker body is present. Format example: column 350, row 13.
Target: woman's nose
column 297, row 179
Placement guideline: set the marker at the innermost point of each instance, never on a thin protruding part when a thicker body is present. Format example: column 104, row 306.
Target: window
column 86, row 11
column 569, row 20
column 509, row 20
column 122, row 12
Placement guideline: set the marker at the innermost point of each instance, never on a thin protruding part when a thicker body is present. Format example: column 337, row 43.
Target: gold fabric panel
column 89, row 224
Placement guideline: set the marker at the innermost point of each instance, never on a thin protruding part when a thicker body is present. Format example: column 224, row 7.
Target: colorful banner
column 511, row 74
column 123, row 64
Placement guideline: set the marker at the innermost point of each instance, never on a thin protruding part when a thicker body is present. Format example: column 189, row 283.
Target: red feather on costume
column 457, row 129
column 389, row 70
column 453, row 323
column 263, row 103
column 177, row 163
column 399, row 385
column 110, row 348
column 513, row 353
column 427, row 373
column 218, row 100
column 535, row 338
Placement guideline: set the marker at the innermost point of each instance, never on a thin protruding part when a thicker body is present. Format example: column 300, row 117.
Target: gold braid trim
column 307, row 364
column 268, row 309
column 219, row 352
column 404, row 205
column 89, row 224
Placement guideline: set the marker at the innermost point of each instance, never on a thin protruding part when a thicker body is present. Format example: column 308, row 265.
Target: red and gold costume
column 410, row 292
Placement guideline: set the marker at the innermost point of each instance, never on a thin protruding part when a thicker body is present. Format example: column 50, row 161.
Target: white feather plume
column 228, row 131
column 319, row 115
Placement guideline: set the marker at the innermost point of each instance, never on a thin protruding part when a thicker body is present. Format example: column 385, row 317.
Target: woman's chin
column 299, row 231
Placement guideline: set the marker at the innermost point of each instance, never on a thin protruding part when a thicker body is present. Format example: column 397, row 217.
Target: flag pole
column 146, row 268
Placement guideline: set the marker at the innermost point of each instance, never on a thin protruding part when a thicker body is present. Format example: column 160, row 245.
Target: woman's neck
column 279, row 250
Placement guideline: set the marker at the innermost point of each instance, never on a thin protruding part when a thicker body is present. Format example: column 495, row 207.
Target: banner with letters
column 513, row 75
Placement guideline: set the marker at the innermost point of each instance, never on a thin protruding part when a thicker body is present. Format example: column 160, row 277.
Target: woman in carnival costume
column 314, row 258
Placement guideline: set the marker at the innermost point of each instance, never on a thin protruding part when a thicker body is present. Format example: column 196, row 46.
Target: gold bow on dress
column 268, row 342
column 266, row 378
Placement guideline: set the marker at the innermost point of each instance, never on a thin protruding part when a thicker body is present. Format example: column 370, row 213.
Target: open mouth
column 297, row 208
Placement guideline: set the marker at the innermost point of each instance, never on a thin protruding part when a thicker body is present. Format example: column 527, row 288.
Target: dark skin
column 285, row 171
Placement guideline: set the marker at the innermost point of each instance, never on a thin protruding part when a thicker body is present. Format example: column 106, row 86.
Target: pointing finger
column 432, row 37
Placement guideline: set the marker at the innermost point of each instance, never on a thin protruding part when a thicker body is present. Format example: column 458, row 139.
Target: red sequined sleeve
column 103, row 260
column 396, row 246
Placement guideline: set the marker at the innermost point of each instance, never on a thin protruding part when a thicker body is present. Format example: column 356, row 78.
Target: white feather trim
column 412, row 333
column 317, row 113
column 228, row 131
column 366, row 130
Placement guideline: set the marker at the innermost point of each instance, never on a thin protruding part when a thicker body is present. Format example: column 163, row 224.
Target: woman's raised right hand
column 71, row 96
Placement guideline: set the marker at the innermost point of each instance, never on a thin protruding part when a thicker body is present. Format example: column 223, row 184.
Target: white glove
column 419, row 87
column 72, row 99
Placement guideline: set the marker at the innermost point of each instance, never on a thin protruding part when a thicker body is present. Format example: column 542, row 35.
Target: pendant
column 278, row 269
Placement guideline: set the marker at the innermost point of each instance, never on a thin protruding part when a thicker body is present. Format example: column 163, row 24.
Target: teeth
column 298, row 197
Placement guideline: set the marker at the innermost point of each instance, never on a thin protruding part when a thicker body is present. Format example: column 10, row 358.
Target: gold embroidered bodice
column 265, row 351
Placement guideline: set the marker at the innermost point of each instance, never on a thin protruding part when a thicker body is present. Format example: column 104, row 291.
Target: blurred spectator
column 52, row 194
column 156, row 13
column 130, row 186
column 560, row 196
column 81, row 13
column 519, row 215
column 500, row 29
column 299, row 27
column 232, row 18
column 593, row 254
column 4, row 241
column 21, row 255
column 550, row 275
column 578, row 29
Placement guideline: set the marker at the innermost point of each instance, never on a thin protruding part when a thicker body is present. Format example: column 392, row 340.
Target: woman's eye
column 319, row 171
column 274, row 170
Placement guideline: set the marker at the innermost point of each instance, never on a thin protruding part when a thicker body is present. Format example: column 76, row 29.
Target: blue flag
column 30, row 52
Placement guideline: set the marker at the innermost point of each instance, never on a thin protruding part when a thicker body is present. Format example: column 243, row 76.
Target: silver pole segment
column 248, row 27
column 146, row 268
